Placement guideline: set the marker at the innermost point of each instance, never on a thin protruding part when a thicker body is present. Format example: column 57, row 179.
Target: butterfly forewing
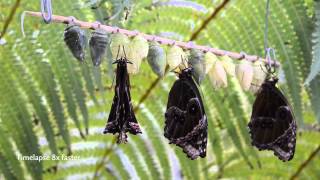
column 272, row 125
column 186, row 122
column 122, row 118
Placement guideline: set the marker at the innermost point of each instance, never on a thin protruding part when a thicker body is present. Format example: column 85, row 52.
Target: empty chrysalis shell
column 218, row 75
column 138, row 49
column 209, row 60
column 175, row 55
column 76, row 40
column 157, row 58
column 259, row 75
column 119, row 45
column 228, row 65
column 196, row 59
column 98, row 43
column 244, row 72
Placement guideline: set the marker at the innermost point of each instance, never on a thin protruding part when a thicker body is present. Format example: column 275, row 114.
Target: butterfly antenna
column 125, row 56
column 118, row 52
column 184, row 62
column 266, row 72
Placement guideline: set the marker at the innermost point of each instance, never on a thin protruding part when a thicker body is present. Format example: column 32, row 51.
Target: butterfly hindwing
column 122, row 118
column 272, row 125
column 186, row 122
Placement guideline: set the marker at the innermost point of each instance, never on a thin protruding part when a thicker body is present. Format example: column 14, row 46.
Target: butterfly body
column 186, row 121
column 122, row 118
column 272, row 125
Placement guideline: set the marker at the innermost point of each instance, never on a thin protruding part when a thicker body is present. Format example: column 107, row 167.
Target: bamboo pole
column 161, row 40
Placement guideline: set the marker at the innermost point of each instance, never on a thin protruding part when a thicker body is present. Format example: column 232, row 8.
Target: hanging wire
column 266, row 27
column 268, row 51
column 46, row 6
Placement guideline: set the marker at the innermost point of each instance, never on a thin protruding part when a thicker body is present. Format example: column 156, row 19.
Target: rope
column 266, row 46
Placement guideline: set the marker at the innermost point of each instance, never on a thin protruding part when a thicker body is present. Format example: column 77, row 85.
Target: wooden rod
column 161, row 40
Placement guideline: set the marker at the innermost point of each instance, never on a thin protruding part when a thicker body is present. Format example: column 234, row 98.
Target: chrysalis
column 186, row 122
column 218, row 75
column 175, row 55
column 228, row 65
column 98, row 44
column 244, row 72
column 157, row 58
column 259, row 76
column 209, row 61
column 138, row 50
column 119, row 41
column 121, row 117
column 75, row 39
column 196, row 59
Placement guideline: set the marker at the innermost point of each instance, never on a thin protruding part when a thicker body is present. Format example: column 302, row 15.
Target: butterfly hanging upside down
column 121, row 118
column 186, row 121
column 272, row 125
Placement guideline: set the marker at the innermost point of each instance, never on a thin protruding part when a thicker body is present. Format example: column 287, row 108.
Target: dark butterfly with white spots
column 272, row 125
column 122, row 118
column 76, row 40
column 186, row 121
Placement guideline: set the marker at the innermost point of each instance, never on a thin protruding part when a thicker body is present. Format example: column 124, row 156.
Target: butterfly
column 122, row 118
column 185, row 118
column 272, row 125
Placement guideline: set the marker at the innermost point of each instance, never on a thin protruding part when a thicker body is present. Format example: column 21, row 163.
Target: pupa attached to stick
column 98, row 44
column 75, row 39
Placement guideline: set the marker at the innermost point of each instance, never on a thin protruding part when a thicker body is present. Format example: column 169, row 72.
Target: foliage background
column 49, row 101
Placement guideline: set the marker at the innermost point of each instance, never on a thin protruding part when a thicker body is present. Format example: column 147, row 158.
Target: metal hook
column 153, row 38
column 46, row 6
column 96, row 25
column 173, row 42
column 116, row 30
column 136, row 33
column 71, row 20
column 269, row 67
column 243, row 55
column 191, row 45
column 207, row 49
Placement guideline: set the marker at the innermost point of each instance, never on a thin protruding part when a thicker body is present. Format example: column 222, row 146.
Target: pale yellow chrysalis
column 119, row 45
column 244, row 73
column 218, row 75
column 259, row 75
column 228, row 65
column 175, row 56
column 209, row 60
column 138, row 49
column 157, row 58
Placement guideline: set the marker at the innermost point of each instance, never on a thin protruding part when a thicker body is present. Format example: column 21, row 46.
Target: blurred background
column 48, row 100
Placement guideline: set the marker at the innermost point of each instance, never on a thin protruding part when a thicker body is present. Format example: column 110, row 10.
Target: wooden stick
column 161, row 40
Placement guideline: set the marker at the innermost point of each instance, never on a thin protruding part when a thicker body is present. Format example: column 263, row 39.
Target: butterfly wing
column 186, row 122
column 122, row 118
column 272, row 125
